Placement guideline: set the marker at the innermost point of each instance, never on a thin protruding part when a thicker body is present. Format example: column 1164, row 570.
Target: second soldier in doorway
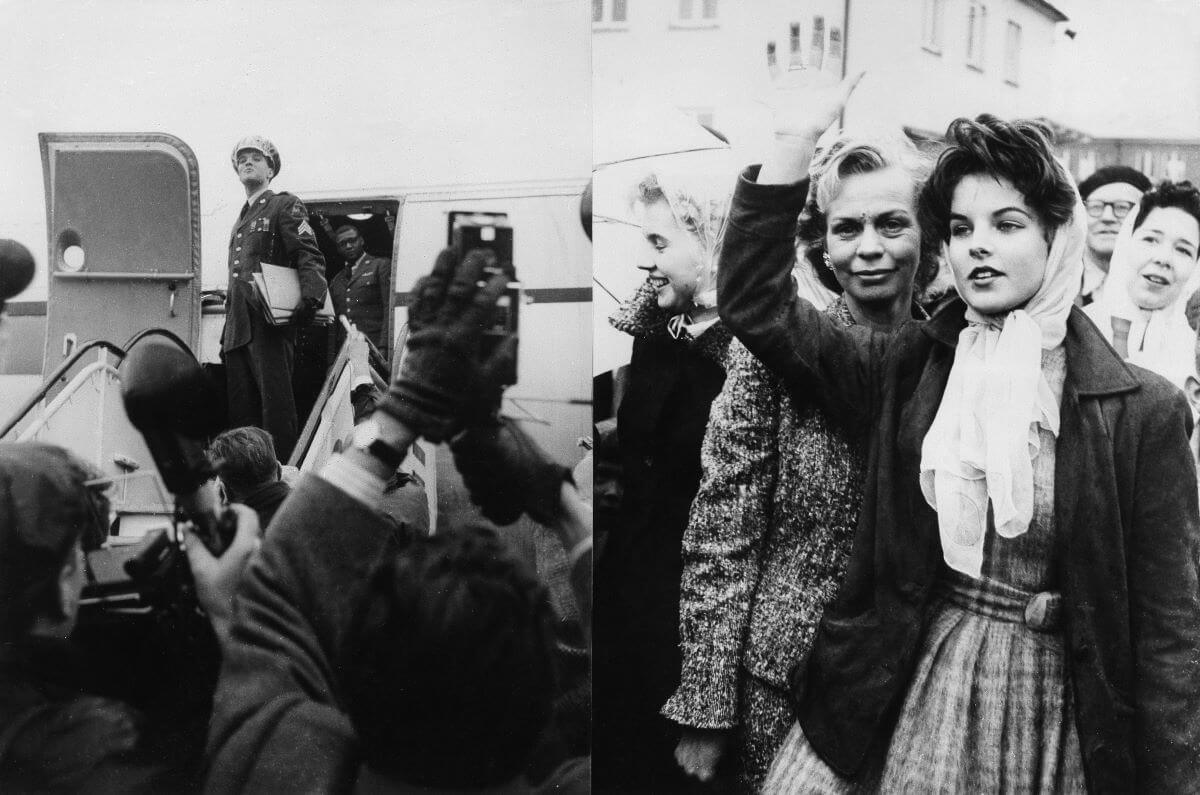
column 361, row 291
column 272, row 228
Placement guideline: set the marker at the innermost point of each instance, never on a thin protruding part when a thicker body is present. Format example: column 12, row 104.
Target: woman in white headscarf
column 1153, row 273
column 675, row 372
column 1022, row 607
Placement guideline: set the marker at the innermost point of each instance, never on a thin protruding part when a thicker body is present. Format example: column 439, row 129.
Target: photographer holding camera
column 354, row 659
column 58, row 731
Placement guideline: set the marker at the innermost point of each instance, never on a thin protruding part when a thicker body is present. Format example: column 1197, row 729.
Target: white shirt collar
column 1093, row 279
column 252, row 198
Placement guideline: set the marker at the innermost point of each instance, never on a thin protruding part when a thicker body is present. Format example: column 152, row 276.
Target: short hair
column 450, row 666
column 346, row 228
column 48, row 504
column 849, row 156
column 1109, row 175
column 244, row 458
column 1180, row 195
column 1020, row 151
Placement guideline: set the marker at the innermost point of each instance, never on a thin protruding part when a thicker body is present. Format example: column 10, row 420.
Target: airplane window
column 73, row 258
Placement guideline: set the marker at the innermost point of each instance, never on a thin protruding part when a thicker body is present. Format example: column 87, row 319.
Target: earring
column 828, row 262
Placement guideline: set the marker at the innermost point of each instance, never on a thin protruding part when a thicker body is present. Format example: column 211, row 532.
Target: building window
column 931, row 25
column 609, row 15
column 976, row 34
column 1012, row 54
column 696, row 14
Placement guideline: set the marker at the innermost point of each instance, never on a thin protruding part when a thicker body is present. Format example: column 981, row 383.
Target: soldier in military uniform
column 362, row 289
column 272, row 228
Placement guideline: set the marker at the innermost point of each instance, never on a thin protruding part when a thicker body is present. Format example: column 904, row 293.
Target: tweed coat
column 767, row 542
column 276, row 231
column 1125, row 505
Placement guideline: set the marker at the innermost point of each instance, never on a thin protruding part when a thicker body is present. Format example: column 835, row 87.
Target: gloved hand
column 446, row 375
column 305, row 311
column 507, row 474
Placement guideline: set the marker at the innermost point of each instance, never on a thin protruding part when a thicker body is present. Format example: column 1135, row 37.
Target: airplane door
column 123, row 226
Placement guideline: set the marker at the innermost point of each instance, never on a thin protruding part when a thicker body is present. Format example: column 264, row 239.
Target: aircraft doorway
column 317, row 347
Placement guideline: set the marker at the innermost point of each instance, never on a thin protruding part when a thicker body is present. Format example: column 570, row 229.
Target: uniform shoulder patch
column 298, row 210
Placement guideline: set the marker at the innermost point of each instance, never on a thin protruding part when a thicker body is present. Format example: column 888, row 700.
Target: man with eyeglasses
column 361, row 291
column 1108, row 195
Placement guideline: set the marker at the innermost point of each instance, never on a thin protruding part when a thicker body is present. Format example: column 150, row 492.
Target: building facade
column 928, row 61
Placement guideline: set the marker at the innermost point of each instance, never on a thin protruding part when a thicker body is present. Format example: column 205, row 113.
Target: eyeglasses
column 1095, row 208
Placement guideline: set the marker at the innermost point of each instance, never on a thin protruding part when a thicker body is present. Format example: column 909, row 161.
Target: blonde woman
column 675, row 372
column 770, row 529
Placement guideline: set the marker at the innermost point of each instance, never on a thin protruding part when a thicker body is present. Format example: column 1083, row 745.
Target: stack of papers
column 279, row 287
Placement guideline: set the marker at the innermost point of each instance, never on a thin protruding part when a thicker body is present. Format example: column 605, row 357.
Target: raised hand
column 446, row 368
column 810, row 94
column 805, row 99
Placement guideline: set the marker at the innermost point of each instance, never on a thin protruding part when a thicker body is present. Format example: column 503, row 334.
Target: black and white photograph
column 295, row 360
column 614, row 396
column 896, row 381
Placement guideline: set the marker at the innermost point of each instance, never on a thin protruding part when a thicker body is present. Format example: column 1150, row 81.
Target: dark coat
column 276, row 231
column 57, row 735
column 265, row 500
column 278, row 722
column 660, row 425
column 1125, row 508
column 362, row 293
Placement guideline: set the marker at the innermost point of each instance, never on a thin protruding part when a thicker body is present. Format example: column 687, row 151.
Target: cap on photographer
column 56, row 731
column 53, row 733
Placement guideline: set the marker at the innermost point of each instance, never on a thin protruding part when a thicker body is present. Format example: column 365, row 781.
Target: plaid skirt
column 988, row 709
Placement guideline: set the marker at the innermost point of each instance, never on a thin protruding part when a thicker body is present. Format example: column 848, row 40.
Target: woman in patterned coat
column 771, row 526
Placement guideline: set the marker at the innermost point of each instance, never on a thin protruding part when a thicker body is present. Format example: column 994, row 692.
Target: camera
column 491, row 232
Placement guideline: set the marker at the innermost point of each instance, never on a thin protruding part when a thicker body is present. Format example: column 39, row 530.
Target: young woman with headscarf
column 675, row 372
column 1021, row 611
column 1153, row 272
column 771, row 526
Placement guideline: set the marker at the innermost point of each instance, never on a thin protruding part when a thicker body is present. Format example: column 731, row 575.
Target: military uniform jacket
column 361, row 292
column 276, row 231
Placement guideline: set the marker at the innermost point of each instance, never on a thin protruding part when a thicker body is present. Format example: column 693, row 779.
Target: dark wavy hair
column 851, row 155
column 245, row 459
column 450, row 667
column 1020, row 151
column 1180, row 195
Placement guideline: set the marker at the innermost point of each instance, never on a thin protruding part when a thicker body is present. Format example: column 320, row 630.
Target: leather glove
column 446, row 373
column 507, row 474
column 305, row 311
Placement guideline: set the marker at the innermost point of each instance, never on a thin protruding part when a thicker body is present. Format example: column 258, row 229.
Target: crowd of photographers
column 357, row 652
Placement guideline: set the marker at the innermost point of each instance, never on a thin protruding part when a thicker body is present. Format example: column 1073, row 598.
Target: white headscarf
column 1159, row 340
column 981, row 445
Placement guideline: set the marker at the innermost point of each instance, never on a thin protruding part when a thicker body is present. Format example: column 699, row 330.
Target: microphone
column 170, row 399
column 16, row 269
